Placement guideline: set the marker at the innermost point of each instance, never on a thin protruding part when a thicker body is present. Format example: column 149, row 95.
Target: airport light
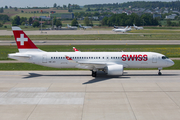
column 52, row 20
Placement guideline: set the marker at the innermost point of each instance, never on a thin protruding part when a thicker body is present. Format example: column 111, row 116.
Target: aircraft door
column 44, row 59
column 154, row 59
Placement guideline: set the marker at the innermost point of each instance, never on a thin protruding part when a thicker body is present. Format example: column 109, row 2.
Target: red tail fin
column 23, row 42
column 76, row 50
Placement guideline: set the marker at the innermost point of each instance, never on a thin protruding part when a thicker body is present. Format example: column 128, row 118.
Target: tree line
column 35, row 23
column 140, row 4
column 124, row 20
column 4, row 18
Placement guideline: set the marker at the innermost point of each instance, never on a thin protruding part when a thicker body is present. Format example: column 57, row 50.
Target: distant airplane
column 74, row 27
column 118, row 27
column 138, row 28
column 112, row 63
column 121, row 30
column 129, row 29
column 85, row 27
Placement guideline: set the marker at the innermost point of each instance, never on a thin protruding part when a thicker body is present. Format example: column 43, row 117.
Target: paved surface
column 63, row 32
column 75, row 95
column 73, row 32
column 97, row 42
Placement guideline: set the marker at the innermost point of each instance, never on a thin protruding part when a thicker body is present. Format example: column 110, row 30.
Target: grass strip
column 155, row 31
column 161, row 36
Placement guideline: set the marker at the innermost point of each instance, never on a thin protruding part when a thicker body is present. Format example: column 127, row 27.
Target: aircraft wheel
column 93, row 74
column 159, row 73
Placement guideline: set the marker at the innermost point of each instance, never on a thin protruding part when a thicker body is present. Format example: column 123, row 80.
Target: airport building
column 63, row 15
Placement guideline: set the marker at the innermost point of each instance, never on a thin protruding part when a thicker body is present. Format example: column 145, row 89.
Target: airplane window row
column 163, row 57
column 85, row 57
column 77, row 57
column 115, row 57
column 58, row 58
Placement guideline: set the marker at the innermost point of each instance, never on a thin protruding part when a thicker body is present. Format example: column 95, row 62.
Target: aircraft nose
column 170, row 63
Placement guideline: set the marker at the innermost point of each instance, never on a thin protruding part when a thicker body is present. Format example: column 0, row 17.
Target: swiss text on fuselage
column 134, row 57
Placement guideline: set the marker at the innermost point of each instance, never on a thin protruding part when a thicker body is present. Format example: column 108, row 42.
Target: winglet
column 76, row 50
column 67, row 57
column 70, row 59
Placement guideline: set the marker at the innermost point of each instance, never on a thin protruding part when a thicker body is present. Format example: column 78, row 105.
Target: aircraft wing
column 87, row 64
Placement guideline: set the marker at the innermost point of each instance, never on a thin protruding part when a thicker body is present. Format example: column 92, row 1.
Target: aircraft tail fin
column 23, row 42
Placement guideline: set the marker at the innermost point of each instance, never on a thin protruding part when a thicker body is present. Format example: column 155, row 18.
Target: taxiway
column 75, row 95
column 97, row 42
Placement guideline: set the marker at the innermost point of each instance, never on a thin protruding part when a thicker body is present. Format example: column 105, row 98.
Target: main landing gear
column 94, row 73
column 159, row 73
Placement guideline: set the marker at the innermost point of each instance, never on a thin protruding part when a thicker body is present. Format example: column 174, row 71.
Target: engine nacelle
column 114, row 69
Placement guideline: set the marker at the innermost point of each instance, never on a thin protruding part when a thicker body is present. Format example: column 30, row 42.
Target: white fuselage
column 127, row 59
column 119, row 30
column 138, row 28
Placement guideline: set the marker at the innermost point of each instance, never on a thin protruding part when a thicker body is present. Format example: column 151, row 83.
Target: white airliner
column 129, row 29
column 74, row 27
column 120, row 29
column 85, row 27
column 117, row 27
column 138, row 28
column 111, row 63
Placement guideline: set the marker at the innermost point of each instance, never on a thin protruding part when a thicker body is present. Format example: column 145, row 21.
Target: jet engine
column 114, row 69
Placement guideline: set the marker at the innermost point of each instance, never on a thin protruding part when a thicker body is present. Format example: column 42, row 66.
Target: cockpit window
column 164, row 57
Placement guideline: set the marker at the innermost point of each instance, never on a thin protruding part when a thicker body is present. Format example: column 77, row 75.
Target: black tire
column 93, row 74
column 159, row 73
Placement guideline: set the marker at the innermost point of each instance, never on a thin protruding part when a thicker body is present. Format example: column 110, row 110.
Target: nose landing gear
column 159, row 73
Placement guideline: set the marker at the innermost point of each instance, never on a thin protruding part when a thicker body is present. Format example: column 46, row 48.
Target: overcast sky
column 49, row 3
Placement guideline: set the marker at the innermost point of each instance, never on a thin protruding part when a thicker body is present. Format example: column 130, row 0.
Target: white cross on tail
column 22, row 39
